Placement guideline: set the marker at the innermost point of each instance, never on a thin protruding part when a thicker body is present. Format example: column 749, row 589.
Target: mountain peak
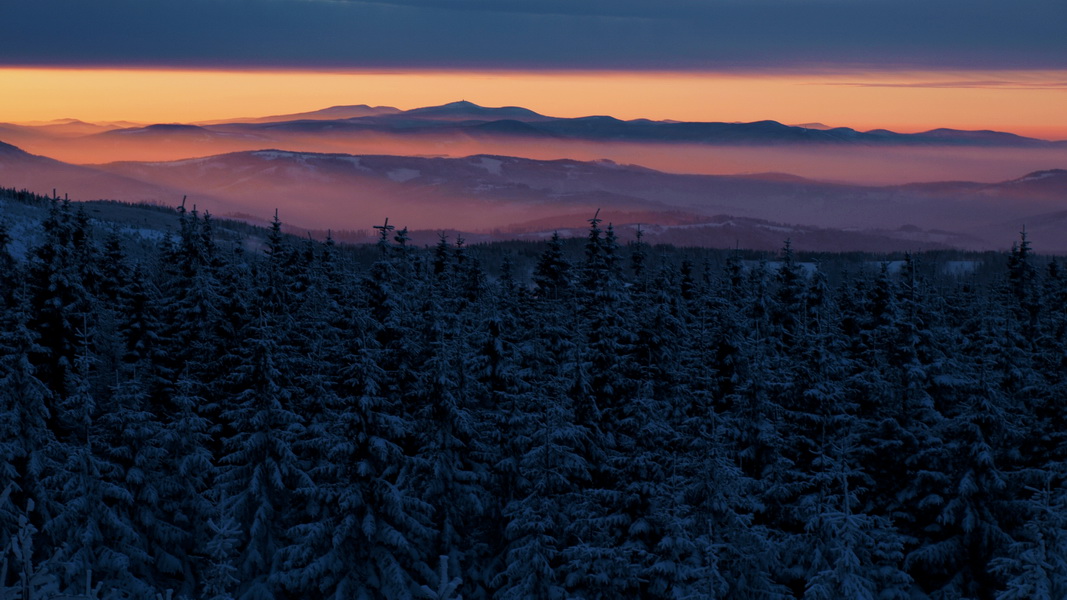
column 464, row 109
column 461, row 104
column 345, row 110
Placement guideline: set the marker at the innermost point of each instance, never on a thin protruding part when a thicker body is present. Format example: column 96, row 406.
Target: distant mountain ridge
column 466, row 117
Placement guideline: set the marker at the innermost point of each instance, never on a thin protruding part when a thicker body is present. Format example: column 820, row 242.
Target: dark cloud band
column 548, row 34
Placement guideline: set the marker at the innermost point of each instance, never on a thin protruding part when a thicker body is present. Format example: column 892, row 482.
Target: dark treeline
column 204, row 421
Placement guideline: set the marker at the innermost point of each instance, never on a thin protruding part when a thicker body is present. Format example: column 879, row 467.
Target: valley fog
column 848, row 163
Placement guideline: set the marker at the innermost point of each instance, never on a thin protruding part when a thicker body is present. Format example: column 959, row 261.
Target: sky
column 905, row 64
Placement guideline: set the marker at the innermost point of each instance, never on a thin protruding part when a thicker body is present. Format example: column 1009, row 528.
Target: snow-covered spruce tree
column 259, row 468
column 114, row 277
column 140, row 329
column 129, row 440
column 59, row 301
column 100, row 549
column 786, row 310
column 759, row 441
column 1023, row 283
column 362, row 529
column 141, row 427
column 29, row 577
column 448, row 470
column 552, row 470
column 714, row 547
column 27, row 449
column 1049, row 370
column 193, row 310
column 529, row 380
column 182, row 492
column 663, row 455
column 552, row 274
column 849, row 553
column 219, row 574
column 639, row 258
column 231, row 296
column 609, row 536
column 1034, row 565
column 499, row 390
column 11, row 276
column 968, row 479
column 360, row 535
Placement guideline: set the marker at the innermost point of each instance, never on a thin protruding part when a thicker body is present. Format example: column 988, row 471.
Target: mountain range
column 461, row 120
column 467, row 117
column 463, row 129
column 495, row 197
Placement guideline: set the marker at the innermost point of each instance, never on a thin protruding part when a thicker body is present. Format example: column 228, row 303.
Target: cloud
column 549, row 34
column 986, row 85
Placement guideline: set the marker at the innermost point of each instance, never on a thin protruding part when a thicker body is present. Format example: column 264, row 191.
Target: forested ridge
column 206, row 421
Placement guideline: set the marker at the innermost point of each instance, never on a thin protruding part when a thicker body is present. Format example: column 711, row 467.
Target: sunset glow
column 1024, row 102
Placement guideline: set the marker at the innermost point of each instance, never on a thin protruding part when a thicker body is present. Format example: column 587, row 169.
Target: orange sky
column 1025, row 102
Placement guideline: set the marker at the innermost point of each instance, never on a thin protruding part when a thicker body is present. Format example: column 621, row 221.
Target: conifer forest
column 207, row 420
